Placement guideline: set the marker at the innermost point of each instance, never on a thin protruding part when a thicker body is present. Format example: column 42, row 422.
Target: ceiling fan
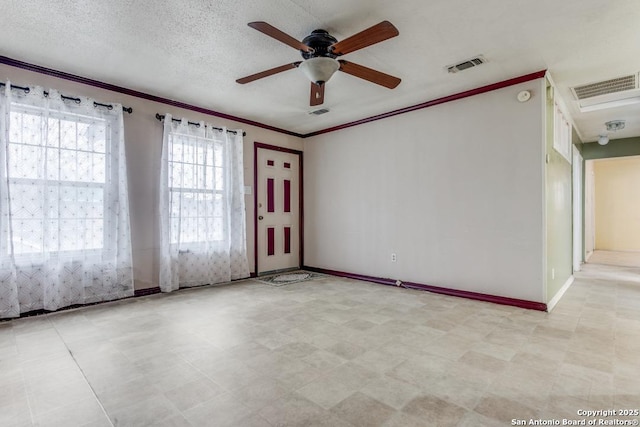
column 320, row 50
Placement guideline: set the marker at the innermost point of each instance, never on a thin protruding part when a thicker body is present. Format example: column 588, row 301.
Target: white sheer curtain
column 202, row 212
column 64, row 216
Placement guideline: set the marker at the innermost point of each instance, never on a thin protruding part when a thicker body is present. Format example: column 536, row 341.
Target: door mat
column 288, row 278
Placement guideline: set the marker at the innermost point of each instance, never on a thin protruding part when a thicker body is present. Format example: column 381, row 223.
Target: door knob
column 260, row 217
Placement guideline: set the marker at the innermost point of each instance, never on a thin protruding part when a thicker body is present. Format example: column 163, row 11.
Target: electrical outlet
column 394, row 257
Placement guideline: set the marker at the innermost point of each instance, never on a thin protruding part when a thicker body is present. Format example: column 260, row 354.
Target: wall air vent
column 319, row 111
column 620, row 84
column 464, row 65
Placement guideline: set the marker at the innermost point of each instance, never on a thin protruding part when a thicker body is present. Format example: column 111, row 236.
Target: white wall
column 558, row 215
column 143, row 142
column 455, row 190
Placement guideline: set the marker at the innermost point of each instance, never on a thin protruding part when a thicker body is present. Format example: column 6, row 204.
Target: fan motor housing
column 319, row 41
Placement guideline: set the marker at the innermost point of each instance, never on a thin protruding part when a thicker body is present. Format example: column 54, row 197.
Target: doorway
column 612, row 211
column 278, row 208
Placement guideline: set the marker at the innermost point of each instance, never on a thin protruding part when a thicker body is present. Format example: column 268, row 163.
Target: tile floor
column 330, row 352
column 620, row 258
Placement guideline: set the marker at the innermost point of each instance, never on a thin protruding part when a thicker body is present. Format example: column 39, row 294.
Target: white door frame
column 259, row 145
column 589, row 209
column 578, row 251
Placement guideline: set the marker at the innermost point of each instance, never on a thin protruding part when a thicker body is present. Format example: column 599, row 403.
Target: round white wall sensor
column 524, row 96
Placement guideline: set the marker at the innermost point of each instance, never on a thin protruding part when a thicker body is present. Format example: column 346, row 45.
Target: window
column 57, row 170
column 202, row 216
column 64, row 206
column 196, row 189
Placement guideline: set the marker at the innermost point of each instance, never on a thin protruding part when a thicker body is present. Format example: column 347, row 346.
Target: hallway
column 615, row 258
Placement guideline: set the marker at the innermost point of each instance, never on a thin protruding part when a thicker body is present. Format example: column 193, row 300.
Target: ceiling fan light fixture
column 320, row 50
column 320, row 69
column 603, row 139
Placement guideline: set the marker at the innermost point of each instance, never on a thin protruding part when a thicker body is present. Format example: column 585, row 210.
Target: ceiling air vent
column 620, row 84
column 611, row 93
column 319, row 111
column 469, row 63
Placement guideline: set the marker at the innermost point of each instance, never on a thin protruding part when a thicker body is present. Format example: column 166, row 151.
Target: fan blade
column 268, row 73
column 272, row 31
column 317, row 94
column 372, row 35
column 369, row 74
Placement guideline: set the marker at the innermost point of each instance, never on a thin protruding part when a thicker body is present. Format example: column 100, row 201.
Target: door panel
column 278, row 210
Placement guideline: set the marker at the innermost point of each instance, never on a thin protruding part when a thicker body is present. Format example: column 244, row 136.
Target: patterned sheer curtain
column 202, row 213
column 64, row 216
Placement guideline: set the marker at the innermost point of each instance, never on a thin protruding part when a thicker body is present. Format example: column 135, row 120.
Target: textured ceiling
column 193, row 51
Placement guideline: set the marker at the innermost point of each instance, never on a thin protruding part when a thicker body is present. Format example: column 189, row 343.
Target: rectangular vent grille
column 620, row 84
column 465, row 65
column 320, row 111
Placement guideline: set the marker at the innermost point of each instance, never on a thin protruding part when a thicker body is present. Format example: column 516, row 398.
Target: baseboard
column 146, row 291
column 136, row 293
column 156, row 289
column 531, row 305
column 560, row 293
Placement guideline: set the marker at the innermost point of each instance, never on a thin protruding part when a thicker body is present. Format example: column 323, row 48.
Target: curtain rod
column 71, row 98
column 161, row 118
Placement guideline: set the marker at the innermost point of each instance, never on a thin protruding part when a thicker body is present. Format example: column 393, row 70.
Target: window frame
column 195, row 140
column 76, row 118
